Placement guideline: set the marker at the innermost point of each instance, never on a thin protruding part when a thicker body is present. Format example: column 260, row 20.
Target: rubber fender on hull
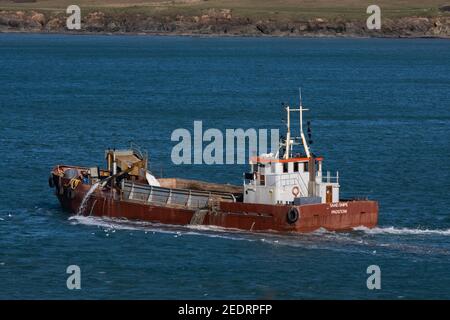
column 293, row 215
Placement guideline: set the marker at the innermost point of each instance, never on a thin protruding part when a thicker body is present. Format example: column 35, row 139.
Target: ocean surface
column 380, row 112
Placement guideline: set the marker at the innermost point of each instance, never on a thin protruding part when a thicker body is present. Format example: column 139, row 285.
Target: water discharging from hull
column 86, row 198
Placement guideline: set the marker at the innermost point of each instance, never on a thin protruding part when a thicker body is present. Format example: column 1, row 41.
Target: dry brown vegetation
column 289, row 9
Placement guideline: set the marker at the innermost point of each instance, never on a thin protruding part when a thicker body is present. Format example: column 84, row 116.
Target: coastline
column 213, row 35
column 379, row 114
column 221, row 23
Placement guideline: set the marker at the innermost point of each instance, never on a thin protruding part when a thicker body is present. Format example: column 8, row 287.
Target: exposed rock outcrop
column 221, row 22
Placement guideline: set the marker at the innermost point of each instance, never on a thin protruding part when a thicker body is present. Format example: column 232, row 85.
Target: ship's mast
column 302, row 135
column 288, row 133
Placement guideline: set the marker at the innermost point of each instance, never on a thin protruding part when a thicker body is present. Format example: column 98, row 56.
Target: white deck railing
column 330, row 179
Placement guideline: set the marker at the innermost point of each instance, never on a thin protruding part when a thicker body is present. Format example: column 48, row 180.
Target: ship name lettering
column 339, row 211
column 339, row 205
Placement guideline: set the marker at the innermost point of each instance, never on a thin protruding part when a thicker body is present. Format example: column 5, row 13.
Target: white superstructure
column 283, row 179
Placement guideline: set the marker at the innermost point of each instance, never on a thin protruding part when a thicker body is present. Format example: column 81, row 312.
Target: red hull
column 254, row 217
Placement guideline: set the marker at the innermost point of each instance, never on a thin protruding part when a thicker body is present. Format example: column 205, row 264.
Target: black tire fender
column 293, row 215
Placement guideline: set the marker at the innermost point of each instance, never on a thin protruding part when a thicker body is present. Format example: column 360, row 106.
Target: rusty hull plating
column 283, row 192
column 339, row 216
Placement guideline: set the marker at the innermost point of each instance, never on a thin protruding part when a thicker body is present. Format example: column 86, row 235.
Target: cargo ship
column 282, row 192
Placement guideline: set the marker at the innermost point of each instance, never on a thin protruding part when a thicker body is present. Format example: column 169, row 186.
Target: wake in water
column 137, row 225
column 86, row 198
column 321, row 239
column 109, row 224
column 404, row 231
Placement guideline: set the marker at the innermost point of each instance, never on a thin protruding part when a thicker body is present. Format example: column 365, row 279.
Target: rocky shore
column 220, row 22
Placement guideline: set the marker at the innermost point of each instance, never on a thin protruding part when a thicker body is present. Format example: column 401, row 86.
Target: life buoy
column 74, row 183
column 51, row 183
column 293, row 215
column 295, row 191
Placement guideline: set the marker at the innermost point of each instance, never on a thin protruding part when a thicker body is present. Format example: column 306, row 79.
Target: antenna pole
column 302, row 135
column 288, row 133
column 300, row 109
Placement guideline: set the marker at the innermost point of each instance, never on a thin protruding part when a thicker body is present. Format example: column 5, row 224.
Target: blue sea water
column 380, row 113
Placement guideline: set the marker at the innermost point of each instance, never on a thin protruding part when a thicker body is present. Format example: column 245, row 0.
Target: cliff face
column 220, row 22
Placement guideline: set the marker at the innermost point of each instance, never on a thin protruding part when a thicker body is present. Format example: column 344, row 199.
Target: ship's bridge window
column 285, row 167
column 295, row 166
column 305, row 167
column 249, row 176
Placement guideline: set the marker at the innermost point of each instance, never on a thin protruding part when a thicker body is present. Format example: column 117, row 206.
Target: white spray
column 86, row 198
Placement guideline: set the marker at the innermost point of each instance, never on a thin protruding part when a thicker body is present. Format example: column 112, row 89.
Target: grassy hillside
column 400, row 18
column 264, row 9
